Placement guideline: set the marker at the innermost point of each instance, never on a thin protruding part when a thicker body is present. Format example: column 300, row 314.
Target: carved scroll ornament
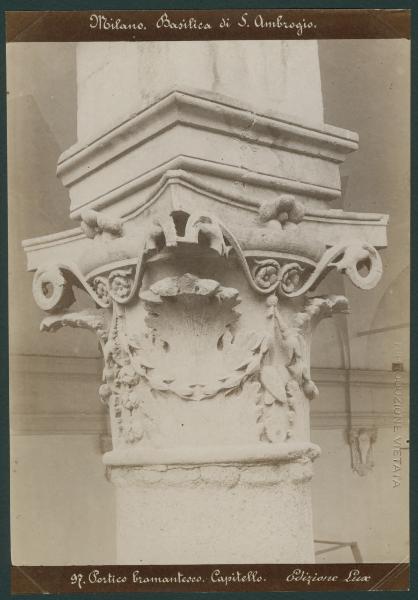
column 288, row 278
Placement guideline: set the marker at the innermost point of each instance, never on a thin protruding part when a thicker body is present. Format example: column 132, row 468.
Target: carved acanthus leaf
column 273, row 383
column 317, row 308
column 292, row 335
column 86, row 319
column 284, row 211
column 94, row 223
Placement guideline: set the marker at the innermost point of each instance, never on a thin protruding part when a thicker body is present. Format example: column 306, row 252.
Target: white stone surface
column 224, row 514
column 118, row 79
column 229, row 143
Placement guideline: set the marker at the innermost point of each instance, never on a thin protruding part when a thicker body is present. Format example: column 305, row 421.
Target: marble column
column 202, row 183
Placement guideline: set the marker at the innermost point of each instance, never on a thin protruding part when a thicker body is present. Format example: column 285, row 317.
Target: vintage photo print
column 209, row 217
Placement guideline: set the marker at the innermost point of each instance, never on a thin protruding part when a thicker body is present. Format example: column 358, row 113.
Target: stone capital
column 204, row 227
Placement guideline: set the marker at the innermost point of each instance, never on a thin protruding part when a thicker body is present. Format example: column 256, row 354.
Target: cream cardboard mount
column 204, row 229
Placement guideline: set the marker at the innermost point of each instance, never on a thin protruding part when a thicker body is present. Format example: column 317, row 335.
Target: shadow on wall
column 41, row 123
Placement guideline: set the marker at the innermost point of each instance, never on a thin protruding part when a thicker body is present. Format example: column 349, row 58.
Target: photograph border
column 5, row 559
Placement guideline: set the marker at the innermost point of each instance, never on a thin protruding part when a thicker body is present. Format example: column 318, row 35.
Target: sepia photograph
column 209, row 271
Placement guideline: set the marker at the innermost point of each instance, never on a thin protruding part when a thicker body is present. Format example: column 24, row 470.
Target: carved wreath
column 168, row 354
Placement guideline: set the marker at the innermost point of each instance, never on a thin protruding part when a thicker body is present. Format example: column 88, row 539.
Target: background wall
column 58, row 424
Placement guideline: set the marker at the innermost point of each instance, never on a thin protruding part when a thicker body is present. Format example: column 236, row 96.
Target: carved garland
column 128, row 361
column 194, row 391
column 292, row 337
column 127, row 370
column 256, row 346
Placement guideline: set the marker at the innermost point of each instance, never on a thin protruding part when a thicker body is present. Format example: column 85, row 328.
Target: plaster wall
column 368, row 510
